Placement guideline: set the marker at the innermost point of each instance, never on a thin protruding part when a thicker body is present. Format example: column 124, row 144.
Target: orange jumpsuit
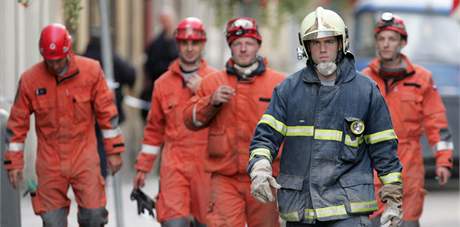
column 416, row 107
column 184, row 185
column 65, row 108
column 231, row 128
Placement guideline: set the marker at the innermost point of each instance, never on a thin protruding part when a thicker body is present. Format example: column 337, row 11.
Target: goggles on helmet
column 242, row 27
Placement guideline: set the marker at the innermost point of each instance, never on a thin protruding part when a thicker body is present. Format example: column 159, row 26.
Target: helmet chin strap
column 326, row 69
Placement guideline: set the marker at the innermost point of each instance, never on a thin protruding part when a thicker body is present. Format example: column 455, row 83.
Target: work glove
column 391, row 195
column 144, row 203
column 262, row 181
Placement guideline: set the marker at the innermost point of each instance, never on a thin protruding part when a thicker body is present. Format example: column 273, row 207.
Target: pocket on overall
column 45, row 116
column 82, row 108
column 291, row 200
column 217, row 143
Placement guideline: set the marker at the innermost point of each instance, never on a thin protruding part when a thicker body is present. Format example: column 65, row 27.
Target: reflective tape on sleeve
column 391, row 178
column 150, row 149
column 16, row 147
column 381, row 136
column 274, row 123
column 261, row 152
column 111, row 133
column 443, row 145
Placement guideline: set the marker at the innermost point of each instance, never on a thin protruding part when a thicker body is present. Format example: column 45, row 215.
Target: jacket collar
column 174, row 67
column 263, row 62
column 375, row 65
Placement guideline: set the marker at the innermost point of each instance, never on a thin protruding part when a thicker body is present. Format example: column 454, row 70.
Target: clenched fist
column 222, row 95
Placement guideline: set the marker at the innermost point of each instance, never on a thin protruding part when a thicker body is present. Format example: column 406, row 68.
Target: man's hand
column 262, row 181
column 223, row 94
column 139, row 180
column 443, row 175
column 391, row 195
column 15, row 176
column 114, row 162
column 194, row 83
column 392, row 215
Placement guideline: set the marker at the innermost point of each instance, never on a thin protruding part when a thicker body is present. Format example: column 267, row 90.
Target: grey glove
column 262, row 181
column 391, row 195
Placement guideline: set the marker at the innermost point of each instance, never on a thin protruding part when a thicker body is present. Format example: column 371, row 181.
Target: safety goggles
column 241, row 26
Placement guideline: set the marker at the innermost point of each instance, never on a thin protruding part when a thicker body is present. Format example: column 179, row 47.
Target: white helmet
column 322, row 23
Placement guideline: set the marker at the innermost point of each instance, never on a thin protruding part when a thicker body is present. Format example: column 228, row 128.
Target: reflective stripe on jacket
column 326, row 164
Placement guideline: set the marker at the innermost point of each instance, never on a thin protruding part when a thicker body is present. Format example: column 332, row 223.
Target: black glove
column 143, row 202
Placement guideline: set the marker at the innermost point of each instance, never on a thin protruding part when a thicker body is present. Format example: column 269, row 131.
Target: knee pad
column 179, row 222
column 92, row 217
column 55, row 218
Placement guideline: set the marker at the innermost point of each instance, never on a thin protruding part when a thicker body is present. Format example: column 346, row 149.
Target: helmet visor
column 320, row 34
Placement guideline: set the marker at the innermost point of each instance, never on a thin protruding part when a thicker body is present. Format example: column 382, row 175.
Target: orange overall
column 66, row 109
column 416, row 107
column 231, row 128
column 184, row 185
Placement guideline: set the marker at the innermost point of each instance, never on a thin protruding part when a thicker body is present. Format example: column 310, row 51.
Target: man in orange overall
column 415, row 106
column 231, row 103
column 67, row 94
column 184, row 185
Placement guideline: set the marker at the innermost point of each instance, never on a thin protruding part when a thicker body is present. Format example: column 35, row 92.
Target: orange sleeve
column 436, row 126
column 199, row 111
column 107, row 116
column 153, row 134
column 17, row 128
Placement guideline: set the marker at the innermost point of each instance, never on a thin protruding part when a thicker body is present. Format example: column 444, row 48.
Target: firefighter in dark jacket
column 335, row 129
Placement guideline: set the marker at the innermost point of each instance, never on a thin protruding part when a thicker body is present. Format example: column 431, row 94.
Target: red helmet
column 389, row 21
column 190, row 28
column 242, row 27
column 55, row 42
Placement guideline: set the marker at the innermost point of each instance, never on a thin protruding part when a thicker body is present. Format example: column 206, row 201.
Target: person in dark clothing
column 160, row 53
column 124, row 74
